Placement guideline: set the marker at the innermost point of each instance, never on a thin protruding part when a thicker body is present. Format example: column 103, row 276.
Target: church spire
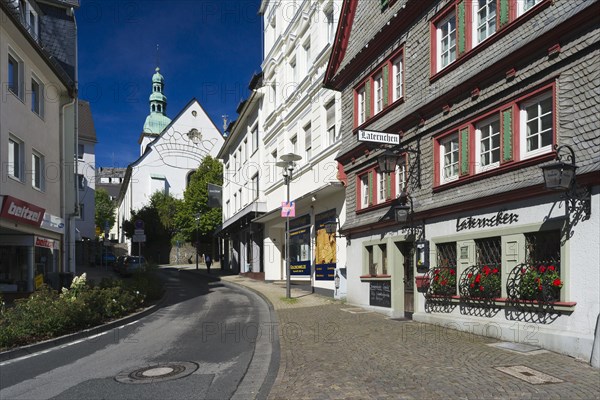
column 157, row 120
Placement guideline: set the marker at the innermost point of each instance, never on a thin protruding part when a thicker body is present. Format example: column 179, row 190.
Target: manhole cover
column 529, row 375
column 157, row 373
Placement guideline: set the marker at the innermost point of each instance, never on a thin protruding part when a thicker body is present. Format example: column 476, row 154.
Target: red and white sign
column 288, row 209
column 22, row 211
column 45, row 243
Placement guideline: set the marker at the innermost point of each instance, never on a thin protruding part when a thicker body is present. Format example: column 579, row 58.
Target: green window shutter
column 507, row 135
column 370, row 188
column 385, row 77
column 504, row 12
column 367, row 99
column 461, row 28
column 388, row 184
column 463, row 143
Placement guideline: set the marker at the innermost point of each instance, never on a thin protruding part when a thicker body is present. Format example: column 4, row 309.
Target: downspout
column 68, row 262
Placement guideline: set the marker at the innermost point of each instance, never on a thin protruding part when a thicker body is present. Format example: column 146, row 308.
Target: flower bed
column 442, row 281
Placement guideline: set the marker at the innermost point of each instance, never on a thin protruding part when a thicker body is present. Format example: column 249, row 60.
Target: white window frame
column 382, row 194
column 364, row 190
column 308, row 141
column 33, row 21
column 525, row 5
column 15, row 158
column 455, row 157
column 486, row 128
column 361, row 99
column 294, row 70
column 37, row 171
column 489, row 23
column 524, row 120
column 294, row 144
column 449, row 23
column 378, row 93
column 307, row 55
column 37, row 100
column 397, row 78
column 401, row 176
column 332, row 132
column 254, row 134
column 255, row 183
column 330, row 21
column 16, row 86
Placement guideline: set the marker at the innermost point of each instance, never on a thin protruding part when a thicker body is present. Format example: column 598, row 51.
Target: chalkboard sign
column 380, row 294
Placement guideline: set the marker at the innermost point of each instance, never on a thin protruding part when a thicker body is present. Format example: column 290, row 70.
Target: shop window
column 444, row 275
column 14, row 273
column 488, row 251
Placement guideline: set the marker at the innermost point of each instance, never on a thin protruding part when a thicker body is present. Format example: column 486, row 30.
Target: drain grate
column 529, row 375
column 157, row 373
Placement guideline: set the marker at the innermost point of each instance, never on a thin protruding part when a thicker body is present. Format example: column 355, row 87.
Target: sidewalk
column 332, row 350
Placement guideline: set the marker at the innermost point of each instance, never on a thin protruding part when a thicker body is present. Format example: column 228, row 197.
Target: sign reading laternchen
column 378, row 137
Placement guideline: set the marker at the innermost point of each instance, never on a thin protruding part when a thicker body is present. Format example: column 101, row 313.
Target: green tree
column 196, row 202
column 105, row 209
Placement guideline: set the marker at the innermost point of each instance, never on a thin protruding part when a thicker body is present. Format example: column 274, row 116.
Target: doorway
column 407, row 250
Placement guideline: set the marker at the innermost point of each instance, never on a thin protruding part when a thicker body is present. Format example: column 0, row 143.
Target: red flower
column 478, row 278
column 469, row 275
column 542, row 269
column 472, row 285
column 495, row 271
column 486, row 270
column 537, row 280
column 557, row 282
column 481, row 288
column 444, row 282
column 523, row 270
column 436, row 278
column 540, row 288
column 452, row 272
column 551, row 268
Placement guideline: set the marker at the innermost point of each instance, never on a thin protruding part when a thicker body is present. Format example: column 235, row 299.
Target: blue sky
column 208, row 49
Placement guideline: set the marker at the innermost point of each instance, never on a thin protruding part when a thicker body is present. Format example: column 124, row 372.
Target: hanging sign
column 378, row 137
column 288, row 209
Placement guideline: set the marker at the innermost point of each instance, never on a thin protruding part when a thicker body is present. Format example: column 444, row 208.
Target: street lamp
column 288, row 162
column 197, row 237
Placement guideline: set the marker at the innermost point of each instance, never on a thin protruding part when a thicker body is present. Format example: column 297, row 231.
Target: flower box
column 422, row 282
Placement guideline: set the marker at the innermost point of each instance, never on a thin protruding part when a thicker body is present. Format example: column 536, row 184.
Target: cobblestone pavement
column 331, row 350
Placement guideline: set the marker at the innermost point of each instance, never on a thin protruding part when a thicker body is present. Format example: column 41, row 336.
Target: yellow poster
column 38, row 281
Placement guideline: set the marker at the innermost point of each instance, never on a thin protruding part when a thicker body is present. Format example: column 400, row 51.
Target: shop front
column 30, row 240
column 523, row 272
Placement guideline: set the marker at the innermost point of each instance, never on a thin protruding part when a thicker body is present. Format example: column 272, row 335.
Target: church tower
column 157, row 120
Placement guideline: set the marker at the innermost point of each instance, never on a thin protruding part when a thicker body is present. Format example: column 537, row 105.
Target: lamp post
column 288, row 162
column 197, row 237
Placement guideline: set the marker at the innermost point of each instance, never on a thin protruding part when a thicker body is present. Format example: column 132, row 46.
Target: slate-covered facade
column 481, row 93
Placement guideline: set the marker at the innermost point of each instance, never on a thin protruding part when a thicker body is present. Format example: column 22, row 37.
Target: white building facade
column 168, row 157
column 86, row 173
column 301, row 117
column 37, row 142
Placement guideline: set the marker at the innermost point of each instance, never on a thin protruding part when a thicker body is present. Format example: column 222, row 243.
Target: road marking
column 39, row 353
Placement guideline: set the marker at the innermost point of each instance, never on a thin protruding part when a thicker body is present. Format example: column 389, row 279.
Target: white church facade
column 170, row 150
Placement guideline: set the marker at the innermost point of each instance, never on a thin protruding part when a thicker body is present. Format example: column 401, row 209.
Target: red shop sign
column 22, row 211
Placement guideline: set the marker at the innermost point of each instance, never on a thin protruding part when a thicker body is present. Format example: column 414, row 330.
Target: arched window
column 188, row 179
column 153, row 108
column 159, row 108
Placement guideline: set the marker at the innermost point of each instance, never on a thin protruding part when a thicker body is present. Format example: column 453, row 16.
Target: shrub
column 48, row 313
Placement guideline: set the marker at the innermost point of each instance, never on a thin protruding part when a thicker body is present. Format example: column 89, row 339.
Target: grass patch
column 292, row 300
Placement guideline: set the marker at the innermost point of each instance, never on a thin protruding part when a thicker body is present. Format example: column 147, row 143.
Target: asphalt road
column 208, row 341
